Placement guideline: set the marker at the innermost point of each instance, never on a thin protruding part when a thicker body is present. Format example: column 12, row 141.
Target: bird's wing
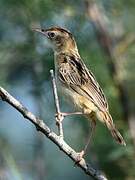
column 74, row 74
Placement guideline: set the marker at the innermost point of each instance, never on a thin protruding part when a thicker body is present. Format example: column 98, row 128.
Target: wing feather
column 75, row 75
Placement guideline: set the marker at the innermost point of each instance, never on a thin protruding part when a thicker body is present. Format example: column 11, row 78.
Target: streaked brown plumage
column 77, row 81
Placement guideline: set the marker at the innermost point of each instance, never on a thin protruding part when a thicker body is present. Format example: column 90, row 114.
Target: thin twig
column 59, row 116
column 41, row 126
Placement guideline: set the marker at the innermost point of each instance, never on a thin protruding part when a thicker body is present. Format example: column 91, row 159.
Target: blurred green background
column 106, row 43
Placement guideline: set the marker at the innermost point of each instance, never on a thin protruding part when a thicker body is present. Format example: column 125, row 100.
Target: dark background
column 104, row 31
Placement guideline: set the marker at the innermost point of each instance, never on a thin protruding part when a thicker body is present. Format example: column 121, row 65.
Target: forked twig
column 41, row 126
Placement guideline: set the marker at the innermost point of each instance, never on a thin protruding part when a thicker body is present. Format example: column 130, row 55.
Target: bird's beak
column 40, row 31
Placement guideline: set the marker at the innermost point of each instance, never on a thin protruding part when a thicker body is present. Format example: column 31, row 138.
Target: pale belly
column 81, row 103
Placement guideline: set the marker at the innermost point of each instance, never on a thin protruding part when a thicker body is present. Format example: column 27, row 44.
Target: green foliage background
column 25, row 61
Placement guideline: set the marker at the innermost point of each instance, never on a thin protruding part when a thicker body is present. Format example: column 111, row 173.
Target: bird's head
column 60, row 38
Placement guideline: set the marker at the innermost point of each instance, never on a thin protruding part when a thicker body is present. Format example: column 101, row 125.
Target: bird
column 78, row 82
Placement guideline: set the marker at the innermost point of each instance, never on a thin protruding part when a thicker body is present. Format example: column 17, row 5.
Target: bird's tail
column 109, row 123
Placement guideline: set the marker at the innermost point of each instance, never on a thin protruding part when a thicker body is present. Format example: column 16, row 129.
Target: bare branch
column 59, row 116
column 41, row 126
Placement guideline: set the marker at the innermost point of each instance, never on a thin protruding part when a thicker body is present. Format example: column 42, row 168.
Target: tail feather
column 115, row 133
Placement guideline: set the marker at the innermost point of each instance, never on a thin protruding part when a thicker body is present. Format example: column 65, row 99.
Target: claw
column 59, row 117
column 80, row 156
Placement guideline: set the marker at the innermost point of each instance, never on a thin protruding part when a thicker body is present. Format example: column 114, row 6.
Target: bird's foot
column 59, row 117
column 80, row 156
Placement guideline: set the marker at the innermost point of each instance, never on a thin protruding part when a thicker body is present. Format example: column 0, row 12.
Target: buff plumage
column 77, row 81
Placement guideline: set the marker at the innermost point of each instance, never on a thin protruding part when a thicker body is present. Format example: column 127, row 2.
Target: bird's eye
column 42, row 30
column 51, row 34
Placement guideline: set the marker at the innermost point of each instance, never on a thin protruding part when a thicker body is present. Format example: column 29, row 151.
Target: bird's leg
column 60, row 116
column 91, row 133
column 72, row 113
